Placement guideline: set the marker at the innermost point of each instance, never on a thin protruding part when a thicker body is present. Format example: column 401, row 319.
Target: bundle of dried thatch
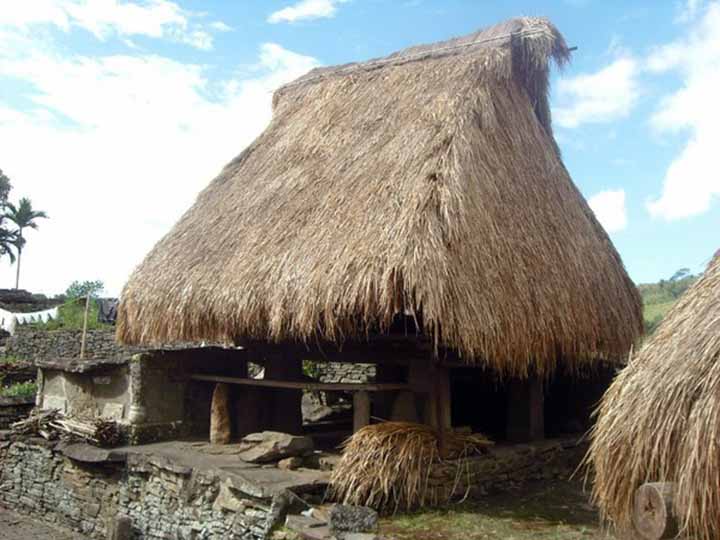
column 427, row 182
column 387, row 466
column 660, row 419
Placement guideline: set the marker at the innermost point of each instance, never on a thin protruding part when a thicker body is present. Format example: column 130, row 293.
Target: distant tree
column 24, row 216
column 680, row 274
column 80, row 289
column 5, row 187
column 8, row 238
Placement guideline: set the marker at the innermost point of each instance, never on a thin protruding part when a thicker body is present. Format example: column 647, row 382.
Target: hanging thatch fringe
column 428, row 183
column 660, row 419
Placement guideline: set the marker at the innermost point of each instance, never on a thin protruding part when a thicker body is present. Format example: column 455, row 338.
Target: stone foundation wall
column 162, row 501
column 42, row 344
column 13, row 409
column 341, row 372
column 507, row 467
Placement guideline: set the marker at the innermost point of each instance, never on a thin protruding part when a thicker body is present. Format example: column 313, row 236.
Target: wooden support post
column 286, row 405
column 653, row 516
column 404, row 408
column 526, row 410
column 83, row 339
column 440, row 398
column 361, row 410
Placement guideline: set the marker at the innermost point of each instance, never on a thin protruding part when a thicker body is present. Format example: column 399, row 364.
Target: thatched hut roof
column 660, row 419
column 426, row 182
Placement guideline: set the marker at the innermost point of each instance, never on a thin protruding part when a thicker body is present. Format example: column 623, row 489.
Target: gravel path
column 19, row 527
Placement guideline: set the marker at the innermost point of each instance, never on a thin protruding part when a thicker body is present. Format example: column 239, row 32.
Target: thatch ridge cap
column 497, row 36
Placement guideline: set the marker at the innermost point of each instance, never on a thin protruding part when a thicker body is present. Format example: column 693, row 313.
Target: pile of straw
column 387, row 466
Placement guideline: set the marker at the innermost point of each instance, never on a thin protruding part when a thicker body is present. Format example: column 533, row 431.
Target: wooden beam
column 361, row 410
column 303, row 385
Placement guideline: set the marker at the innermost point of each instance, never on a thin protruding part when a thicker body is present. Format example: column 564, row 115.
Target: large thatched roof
column 426, row 182
column 660, row 419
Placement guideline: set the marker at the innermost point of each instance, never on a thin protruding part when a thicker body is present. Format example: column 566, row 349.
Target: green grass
column 10, row 360
column 22, row 389
column 543, row 511
column 659, row 297
column 70, row 317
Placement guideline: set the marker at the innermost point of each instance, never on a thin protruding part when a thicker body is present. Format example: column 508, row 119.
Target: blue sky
column 115, row 113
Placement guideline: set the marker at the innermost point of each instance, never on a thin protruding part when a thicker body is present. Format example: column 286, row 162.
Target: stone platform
column 178, row 490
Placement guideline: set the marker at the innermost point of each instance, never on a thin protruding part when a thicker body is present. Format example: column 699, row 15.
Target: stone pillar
column 285, row 404
column 220, row 426
column 526, row 410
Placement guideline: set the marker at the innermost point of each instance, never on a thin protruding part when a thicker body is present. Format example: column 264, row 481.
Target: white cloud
column 115, row 148
column 108, row 18
column 689, row 10
column 692, row 181
column 306, row 10
column 603, row 96
column 609, row 208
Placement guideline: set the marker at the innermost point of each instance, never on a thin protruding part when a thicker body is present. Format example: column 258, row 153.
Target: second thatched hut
column 660, row 422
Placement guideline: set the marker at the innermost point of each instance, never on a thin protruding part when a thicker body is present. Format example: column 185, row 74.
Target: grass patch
column 70, row 317
column 22, row 389
column 543, row 511
column 10, row 360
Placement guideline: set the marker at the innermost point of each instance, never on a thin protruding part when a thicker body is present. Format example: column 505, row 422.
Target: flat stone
column 86, row 453
column 290, row 464
column 345, row 518
column 361, row 536
column 272, row 446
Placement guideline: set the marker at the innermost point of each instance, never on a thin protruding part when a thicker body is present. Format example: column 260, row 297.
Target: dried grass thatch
column 387, row 466
column 660, row 419
column 427, row 182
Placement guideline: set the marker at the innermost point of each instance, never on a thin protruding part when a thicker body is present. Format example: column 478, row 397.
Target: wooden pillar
column 383, row 402
column 361, row 410
column 285, row 404
column 526, row 410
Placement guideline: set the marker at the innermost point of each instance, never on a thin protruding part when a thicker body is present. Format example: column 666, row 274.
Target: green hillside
column 659, row 297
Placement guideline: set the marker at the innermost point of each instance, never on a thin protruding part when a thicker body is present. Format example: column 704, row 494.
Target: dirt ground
column 540, row 511
column 19, row 527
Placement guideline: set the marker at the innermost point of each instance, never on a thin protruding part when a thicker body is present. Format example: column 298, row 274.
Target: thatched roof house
column 660, row 419
column 425, row 183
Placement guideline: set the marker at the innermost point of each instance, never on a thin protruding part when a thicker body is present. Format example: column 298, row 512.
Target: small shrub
column 22, row 389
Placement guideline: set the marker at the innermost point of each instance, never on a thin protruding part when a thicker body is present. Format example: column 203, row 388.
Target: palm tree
column 23, row 216
column 8, row 241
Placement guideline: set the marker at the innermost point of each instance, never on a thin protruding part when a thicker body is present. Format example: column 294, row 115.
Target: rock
column 322, row 461
column 120, row 528
column 361, row 536
column 291, row 463
column 220, row 429
column 272, row 446
column 227, row 499
column 284, row 503
column 349, row 519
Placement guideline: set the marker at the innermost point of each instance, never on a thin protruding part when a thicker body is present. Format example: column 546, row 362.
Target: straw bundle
column 660, row 419
column 428, row 183
column 387, row 466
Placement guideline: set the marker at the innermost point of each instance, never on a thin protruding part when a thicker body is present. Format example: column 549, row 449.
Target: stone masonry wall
column 42, row 344
column 341, row 372
column 13, row 409
column 162, row 502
